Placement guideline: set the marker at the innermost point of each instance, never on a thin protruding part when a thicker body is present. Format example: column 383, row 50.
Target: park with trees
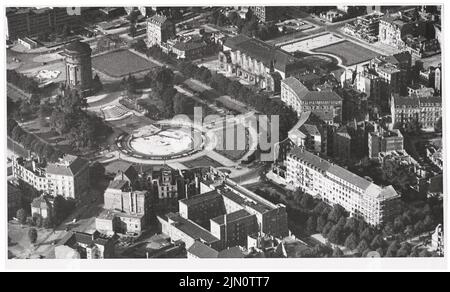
column 311, row 216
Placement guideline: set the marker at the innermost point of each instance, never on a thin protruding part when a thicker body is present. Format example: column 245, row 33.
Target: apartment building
column 394, row 28
column 336, row 185
column 384, row 141
column 159, row 30
column 31, row 21
column 224, row 217
column 326, row 105
column 267, row 13
column 125, row 210
column 68, row 177
column 425, row 110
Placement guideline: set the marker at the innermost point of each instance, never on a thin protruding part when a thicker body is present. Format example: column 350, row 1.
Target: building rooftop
column 77, row 47
column 158, row 19
column 326, row 166
column 186, row 46
column 248, row 202
column 232, row 252
column 199, row 199
column 310, row 158
column 117, row 184
column 417, row 101
column 234, row 216
column 310, row 129
column 69, row 165
column 303, row 93
column 191, row 229
column 74, row 237
column 201, row 250
column 265, row 53
column 349, row 177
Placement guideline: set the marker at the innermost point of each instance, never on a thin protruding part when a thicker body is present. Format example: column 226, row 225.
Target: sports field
column 121, row 63
column 349, row 52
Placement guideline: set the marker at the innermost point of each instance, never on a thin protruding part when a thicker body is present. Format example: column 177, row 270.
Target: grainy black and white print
column 224, row 132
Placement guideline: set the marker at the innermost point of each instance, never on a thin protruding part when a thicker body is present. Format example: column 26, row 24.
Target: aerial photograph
column 224, row 132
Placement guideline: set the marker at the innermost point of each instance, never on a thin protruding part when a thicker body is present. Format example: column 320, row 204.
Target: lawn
column 235, row 152
column 349, row 52
column 203, row 161
column 121, row 63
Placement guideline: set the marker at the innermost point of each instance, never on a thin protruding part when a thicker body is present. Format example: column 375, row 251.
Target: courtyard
column 349, row 52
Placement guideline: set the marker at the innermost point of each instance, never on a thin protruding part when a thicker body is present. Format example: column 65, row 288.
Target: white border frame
column 215, row 265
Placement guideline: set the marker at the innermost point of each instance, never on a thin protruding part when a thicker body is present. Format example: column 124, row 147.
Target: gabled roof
column 232, row 252
column 350, row 177
column 186, row 46
column 261, row 51
column 303, row 93
column 158, row 19
column 310, row 129
column 202, row 251
column 310, row 158
column 117, row 184
column 69, row 165
column 191, row 229
column 295, row 84
column 388, row 193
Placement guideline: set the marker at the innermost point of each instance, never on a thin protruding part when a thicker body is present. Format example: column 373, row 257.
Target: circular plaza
column 162, row 142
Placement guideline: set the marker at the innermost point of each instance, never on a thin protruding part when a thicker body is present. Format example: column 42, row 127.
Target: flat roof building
column 336, row 185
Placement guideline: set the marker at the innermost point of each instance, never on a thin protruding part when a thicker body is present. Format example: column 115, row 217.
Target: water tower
column 78, row 66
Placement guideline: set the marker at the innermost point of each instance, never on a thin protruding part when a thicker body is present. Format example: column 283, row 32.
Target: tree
column 362, row 246
column 392, row 250
column 351, row 241
column 132, row 29
column 424, row 253
column 321, row 222
column 59, row 208
column 32, row 235
column 25, row 110
column 97, row 83
column 380, row 251
column 306, row 201
column 367, row 235
column 311, row 225
column 428, row 222
column 335, row 234
column 337, row 252
column 419, row 227
column 342, row 221
column 377, row 242
column 21, row 216
column 327, row 229
column 409, row 231
column 38, row 220
column 47, row 222
column 404, row 250
column 164, row 79
column 336, row 213
column 96, row 172
column 438, row 125
column 131, row 84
